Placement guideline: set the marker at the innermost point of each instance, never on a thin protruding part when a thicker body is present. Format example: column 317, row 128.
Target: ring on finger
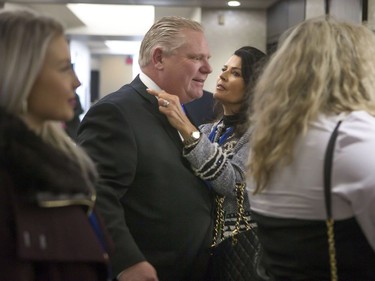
column 165, row 103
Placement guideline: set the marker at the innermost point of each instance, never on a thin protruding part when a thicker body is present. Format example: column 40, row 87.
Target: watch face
column 196, row 134
column 194, row 137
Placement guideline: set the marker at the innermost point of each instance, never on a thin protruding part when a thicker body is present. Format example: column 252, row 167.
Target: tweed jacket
column 225, row 173
column 45, row 233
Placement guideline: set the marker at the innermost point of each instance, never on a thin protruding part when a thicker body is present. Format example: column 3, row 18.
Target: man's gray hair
column 165, row 34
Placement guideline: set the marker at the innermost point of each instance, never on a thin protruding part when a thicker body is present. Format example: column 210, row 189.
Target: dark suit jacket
column 201, row 110
column 154, row 206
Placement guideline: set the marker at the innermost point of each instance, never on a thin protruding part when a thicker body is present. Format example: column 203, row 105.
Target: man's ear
column 157, row 58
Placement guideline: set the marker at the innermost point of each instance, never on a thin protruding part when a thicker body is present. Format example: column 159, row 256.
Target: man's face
column 185, row 72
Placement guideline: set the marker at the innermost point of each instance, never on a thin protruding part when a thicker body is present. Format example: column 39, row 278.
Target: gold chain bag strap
column 328, row 160
column 219, row 221
column 237, row 257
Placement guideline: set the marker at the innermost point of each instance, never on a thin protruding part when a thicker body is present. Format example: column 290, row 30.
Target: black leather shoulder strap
column 328, row 160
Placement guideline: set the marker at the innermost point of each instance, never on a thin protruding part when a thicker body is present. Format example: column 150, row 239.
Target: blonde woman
column 48, row 228
column 323, row 72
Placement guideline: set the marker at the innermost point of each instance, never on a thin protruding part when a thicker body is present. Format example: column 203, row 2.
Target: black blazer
column 202, row 110
column 154, row 206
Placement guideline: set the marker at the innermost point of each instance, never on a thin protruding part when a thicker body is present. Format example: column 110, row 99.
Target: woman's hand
column 170, row 106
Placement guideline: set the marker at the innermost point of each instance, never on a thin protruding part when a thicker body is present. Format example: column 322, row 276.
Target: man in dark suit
column 158, row 212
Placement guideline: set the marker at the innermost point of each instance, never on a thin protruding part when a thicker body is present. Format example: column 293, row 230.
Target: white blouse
column 296, row 190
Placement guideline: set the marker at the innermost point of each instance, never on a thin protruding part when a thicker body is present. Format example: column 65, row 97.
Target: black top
column 303, row 254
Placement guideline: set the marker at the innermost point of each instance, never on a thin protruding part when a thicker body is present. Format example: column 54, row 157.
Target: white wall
column 314, row 8
column 114, row 73
column 193, row 13
column 239, row 28
column 81, row 57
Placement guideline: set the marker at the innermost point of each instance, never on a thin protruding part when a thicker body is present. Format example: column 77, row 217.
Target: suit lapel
column 153, row 107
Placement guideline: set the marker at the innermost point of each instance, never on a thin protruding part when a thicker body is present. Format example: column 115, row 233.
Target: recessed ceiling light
column 234, row 3
column 123, row 20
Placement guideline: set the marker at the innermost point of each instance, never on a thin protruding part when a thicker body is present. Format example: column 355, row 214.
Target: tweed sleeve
column 221, row 167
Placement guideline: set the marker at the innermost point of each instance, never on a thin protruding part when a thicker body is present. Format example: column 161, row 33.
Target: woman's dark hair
column 252, row 62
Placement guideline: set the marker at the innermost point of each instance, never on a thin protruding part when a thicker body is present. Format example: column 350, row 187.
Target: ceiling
column 245, row 4
column 58, row 9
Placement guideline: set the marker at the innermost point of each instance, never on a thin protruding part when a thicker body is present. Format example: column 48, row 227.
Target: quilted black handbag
column 238, row 257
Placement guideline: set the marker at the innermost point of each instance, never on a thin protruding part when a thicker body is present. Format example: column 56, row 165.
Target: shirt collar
column 148, row 82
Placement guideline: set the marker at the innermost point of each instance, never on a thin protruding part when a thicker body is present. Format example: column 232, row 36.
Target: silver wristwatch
column 193, row 138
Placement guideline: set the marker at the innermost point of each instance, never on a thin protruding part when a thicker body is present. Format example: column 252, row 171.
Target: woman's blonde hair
column 322, row 66
column 24, row 39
